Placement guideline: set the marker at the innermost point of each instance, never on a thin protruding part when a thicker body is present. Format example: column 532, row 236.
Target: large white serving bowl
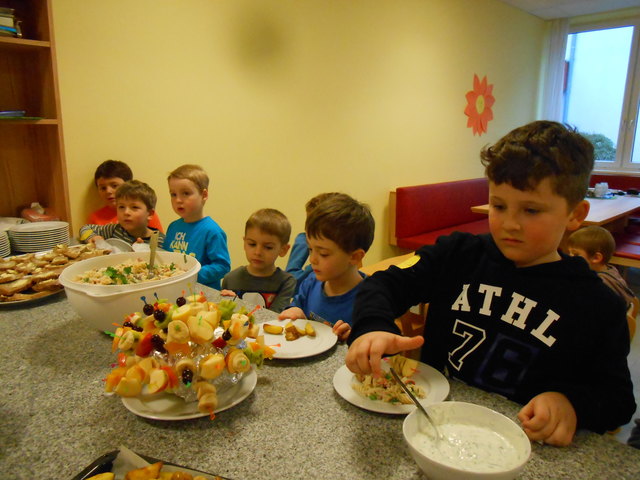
column 102, row 305
column 466, row 414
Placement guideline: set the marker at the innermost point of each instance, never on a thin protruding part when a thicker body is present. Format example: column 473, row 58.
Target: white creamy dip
column 468, row 447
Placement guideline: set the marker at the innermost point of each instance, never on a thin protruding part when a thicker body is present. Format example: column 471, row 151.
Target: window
column 601, row 91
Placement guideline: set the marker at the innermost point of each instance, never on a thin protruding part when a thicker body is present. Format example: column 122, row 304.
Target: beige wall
column 280, row 100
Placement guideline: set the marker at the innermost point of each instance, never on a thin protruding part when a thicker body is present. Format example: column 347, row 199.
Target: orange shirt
column 107, row 215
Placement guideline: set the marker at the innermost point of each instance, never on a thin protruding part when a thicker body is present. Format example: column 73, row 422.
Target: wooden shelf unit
column 32, row 162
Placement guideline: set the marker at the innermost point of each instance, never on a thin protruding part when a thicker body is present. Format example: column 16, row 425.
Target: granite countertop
column 56, row 420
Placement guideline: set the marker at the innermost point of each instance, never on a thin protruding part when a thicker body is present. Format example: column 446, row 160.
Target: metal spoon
column 415, row 400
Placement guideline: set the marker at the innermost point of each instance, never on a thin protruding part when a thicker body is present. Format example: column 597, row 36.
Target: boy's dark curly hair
column 542, row 149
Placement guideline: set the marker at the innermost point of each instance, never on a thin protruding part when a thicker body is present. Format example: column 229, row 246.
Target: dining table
column 56, row 417
column 611, row 213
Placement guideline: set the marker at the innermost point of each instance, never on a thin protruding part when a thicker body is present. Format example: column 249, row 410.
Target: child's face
column 528, row 226
column 107, row 189
column 328, row 260
column 133, row 215
column 262, row 250
column 186, row 199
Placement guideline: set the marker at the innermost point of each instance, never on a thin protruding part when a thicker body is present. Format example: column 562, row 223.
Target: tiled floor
column 633, row 279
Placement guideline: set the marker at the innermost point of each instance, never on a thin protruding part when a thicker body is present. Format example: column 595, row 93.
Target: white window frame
column 631, row 99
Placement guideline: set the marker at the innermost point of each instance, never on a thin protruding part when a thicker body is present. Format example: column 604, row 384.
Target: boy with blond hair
column 194, row 233
column 339, row 233
column 266, row 237
column 596, row 245
column 109, row 175
column 135, row 205
column 508, row 313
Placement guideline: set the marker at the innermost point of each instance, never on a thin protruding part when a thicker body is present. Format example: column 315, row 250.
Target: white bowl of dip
column 477, row 443
column 103, row 305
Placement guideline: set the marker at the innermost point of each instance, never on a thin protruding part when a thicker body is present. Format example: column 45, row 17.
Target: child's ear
column 577, row 215
column 597, row 258
column 205, row 194
column 356, row 257
column 284, row 249
column 151, row 212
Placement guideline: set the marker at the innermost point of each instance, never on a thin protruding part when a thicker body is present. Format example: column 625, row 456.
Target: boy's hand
column 549, row 418
column 366, row 351
column 227, row 293
column 292, row 313
column 342, row 330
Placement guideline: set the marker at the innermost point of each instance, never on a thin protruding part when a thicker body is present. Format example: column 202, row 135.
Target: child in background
column 193, row 233
column 109, row 175
column 300, row 250
column 339, row 233
column 596, row 245
column 266, row 237
column 507, row 312
column 135, row 204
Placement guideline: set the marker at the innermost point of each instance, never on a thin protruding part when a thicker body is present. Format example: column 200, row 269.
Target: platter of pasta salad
column 383, row 394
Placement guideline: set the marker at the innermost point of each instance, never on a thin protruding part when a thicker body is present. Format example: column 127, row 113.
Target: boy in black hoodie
column 508, row 312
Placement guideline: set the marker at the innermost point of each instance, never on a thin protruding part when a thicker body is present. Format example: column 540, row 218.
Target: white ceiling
column 549, row 9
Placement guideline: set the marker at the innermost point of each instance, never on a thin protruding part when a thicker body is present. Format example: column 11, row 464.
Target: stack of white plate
column 38, row 236
column 5, row 246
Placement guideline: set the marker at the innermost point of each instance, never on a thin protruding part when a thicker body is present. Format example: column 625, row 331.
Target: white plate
column 39, row 226
column 434, row 383
column 166, row 406
column 304, row 346
column 119, row 244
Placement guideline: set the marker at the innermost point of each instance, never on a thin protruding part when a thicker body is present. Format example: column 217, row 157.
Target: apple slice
column 136, row 372
column 158, row 380
column 211, row 317
column 310, row 331
column 129, row 387
column 212, row 366
column 200, row 330
column 272, row 329
column 182, row 313
column 148, row 364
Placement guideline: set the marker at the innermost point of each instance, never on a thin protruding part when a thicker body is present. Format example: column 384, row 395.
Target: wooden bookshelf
column 32, row 162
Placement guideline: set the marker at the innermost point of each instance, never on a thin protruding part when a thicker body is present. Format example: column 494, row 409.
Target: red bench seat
column 420, row 214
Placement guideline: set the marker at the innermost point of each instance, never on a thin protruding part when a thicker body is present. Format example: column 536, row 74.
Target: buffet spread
column 194, row 380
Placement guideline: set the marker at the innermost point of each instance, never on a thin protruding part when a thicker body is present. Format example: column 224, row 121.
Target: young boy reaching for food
column 135, row 204
column 194, row 233
column 109, row 175
column 508, row 313
column 339, row 233
column 266, row 237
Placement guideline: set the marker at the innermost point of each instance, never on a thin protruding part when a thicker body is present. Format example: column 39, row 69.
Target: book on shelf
column 10, row 31
column 6, row 21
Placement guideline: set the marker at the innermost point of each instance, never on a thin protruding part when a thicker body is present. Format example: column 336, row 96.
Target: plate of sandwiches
column 26, row 278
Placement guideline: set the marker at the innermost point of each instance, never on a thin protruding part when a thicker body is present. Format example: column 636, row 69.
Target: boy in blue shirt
column 300, row 251
column 193, row 233
column 339, row 233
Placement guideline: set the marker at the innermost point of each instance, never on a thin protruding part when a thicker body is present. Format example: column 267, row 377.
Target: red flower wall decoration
column 479, row 103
